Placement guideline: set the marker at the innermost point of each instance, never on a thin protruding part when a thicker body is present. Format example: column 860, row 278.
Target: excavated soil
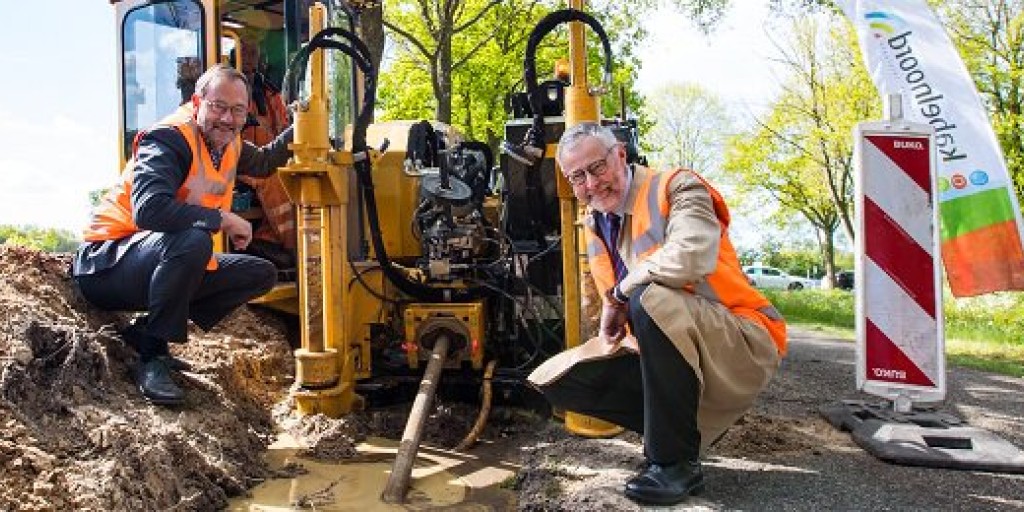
column 75, row 433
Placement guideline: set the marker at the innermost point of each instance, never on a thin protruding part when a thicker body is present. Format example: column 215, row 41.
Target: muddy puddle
column 440, row 480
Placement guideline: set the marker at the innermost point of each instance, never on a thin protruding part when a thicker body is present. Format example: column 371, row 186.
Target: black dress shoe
column 154, row 380
column 666, row 485
column 135, row 333
column 178, row 365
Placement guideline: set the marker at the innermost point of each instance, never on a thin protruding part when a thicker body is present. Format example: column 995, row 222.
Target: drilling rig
column 417, row 252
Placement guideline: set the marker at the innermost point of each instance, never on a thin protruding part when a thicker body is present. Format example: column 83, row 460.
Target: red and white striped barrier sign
column 900, row 349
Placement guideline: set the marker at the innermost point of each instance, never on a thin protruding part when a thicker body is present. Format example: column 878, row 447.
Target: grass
column 985, row 333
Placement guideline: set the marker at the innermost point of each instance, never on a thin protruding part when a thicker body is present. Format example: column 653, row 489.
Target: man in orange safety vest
column 685, row 343
column 149, row 244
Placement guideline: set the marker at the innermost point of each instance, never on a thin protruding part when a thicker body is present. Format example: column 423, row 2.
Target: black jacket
column 162, row 162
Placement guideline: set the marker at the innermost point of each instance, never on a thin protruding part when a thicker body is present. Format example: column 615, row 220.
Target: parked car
column 844, row 280
column 771, row 277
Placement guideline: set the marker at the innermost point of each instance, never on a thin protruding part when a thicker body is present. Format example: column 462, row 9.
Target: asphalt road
column 833, row 473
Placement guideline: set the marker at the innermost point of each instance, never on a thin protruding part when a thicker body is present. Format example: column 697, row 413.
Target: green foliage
column 95, row 196
column 830, row 307
column 800, row 153
column 44, row 239
column 981, row 332
column 458, row 61
column 989, row 36
column 690, row 123
column 800, row 259
column 998, row 315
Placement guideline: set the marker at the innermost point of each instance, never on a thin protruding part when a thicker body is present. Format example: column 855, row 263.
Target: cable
column 485, row 410
column 538, row 347
column 554, row 245
column 361, row 57
column 358, row 276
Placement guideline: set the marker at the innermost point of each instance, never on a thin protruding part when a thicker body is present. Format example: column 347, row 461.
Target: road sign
column 900, row 349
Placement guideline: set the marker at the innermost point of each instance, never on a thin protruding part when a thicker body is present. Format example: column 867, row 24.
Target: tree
column 43, row 239
column 690, row 127
column 468, row 55
column 990, row 37
column 801, row 153
column 431, row 31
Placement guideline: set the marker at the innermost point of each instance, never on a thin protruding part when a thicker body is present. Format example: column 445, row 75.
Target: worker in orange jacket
column 274, row 238
column 149, row 244
column 685, row 343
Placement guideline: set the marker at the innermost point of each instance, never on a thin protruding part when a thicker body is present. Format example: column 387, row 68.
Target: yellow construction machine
column 418, row 252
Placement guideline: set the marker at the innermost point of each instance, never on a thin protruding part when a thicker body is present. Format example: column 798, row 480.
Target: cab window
column 163, row 52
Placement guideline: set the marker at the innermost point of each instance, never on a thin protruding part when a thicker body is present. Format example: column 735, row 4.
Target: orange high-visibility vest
column 727, row 285
column 204, row 185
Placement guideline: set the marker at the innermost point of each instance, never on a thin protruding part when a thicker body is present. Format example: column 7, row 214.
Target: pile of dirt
column 75, row 432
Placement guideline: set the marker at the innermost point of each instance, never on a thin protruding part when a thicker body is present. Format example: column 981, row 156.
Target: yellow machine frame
column 335, row 317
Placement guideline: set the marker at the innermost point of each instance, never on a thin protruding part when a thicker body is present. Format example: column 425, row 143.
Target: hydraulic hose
column 360, row 55
column 542, row 29
column 485, row 411
column 533, row 147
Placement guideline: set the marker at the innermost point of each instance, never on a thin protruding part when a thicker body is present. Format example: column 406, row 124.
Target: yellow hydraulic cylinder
column 318, row 185
column 580, row 106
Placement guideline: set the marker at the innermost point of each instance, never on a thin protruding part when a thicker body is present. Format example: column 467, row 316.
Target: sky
column 733, row 60
column 58, row 110
column 58, row 98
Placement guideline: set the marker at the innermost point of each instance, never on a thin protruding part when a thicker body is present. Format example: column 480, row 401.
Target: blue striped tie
column 612, row 242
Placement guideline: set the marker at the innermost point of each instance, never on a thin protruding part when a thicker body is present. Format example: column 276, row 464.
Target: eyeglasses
column 595, row 169
column 219, row 107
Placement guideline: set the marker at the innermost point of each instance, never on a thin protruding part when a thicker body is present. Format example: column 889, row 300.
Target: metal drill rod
column 398, row 481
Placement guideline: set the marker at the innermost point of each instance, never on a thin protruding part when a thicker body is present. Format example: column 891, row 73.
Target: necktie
column 612, row 242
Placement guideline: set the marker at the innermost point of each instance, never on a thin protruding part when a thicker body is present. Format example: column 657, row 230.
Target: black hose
column 360, row 55
column 535, row 136
column 542, row 29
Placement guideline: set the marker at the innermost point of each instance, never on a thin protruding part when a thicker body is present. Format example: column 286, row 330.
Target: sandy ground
column 75, row 434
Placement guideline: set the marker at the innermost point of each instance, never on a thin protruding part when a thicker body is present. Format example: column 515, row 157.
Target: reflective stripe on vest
column 204, row 185
column 727, row 285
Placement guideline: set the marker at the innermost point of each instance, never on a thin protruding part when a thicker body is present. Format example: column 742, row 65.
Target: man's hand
column 237, row 229
column 613, row 322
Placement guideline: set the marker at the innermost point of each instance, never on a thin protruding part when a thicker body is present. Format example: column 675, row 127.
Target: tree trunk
column 371, row 30
column 827, row 246
column 443, row 82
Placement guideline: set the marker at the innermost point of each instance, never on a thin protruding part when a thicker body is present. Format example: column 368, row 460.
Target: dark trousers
column 655, row 393
column 165, row 275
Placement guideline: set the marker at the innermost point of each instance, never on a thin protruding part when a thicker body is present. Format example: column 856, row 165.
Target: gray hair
column 219, row 71
column 577, row 133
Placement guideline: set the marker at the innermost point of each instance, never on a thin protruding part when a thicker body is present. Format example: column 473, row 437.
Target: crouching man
column 149, row 245
column 685, row 342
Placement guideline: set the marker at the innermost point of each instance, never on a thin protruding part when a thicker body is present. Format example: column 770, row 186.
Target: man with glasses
column 149, row 245
column 685, row 343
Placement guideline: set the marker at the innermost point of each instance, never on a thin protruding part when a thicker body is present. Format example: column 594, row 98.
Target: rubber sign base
column 923, row 437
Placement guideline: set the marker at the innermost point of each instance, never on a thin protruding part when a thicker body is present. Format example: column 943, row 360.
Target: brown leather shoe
column 666, row 484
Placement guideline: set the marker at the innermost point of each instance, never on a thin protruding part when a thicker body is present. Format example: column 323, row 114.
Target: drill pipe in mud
column 398, row 481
